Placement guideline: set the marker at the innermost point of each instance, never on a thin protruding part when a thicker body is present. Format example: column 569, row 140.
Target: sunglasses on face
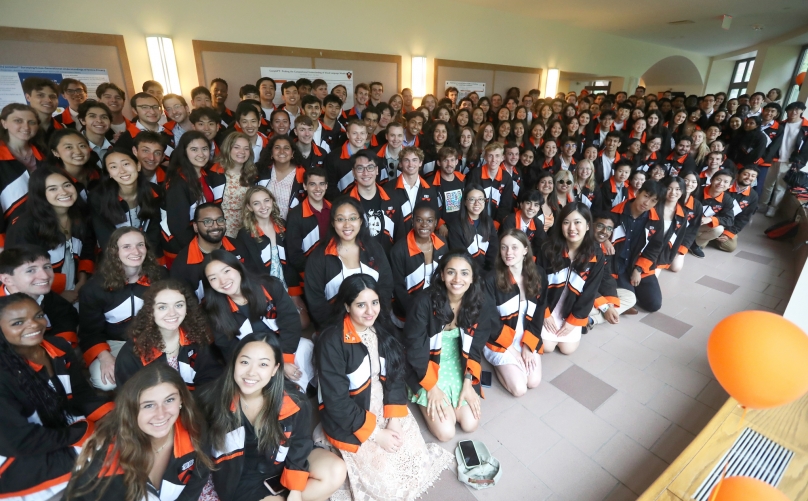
column 567, row 182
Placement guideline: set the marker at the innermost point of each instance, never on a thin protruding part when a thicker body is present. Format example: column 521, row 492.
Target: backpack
column 784, row 230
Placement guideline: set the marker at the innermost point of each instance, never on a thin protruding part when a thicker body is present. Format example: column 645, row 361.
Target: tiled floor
column 608, row 419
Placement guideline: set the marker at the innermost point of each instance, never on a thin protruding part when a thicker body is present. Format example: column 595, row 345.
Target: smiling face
column 424, row 222
column 475, row 203
column 574, row 227
column 637, row 180
column 148, row 110
column 207, row 126
column 720, row 183
column 280, row 124
column 23, row 323
column 215, row 218
column 261, row 205
column 223, row 278
column 267, row 91
column 121, row 168
column 44, row 100
column 410, row 164
column 488, row 132
column 176, row 110
column 33, row 278
column 149, row 155
column 132, row 249
column 316, row 187
column 219, row 92
column 198, row 152
column 169, row 309
column 346, row 222
column 466, row 138
column 21, row 125
column 546, row 185
column 526, row 158
column 59, row 191
column 457, row 276
column 249, row 123
column 255, row 367
column 159, row 408
column 448, row 165
column 512, row 251
column 97, row 120
column 673, row 193
column 73, row 150
column 439, row 134
column 530, row 209
column 240, row 152
column 113, row 99
column 364, row 309
column 282, row 152
column 691, row 183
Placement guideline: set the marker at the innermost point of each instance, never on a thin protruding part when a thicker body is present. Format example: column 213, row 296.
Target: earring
column 180, row 406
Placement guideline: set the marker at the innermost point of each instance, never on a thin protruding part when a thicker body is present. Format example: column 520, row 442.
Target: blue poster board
column 11, row 78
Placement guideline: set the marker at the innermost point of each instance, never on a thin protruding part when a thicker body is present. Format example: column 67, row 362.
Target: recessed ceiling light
column 683, row 21
column 757, row 27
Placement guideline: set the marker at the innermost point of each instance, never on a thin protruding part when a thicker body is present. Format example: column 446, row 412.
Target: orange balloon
column 760, row 358
column 800, row 78
column 746, row 489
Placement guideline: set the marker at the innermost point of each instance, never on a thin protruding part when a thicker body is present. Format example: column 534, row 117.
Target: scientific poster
column 465, row 88
column 332, row 77
column 11, row 78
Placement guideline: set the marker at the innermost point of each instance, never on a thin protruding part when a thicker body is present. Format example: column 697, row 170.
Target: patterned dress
column 232, row 201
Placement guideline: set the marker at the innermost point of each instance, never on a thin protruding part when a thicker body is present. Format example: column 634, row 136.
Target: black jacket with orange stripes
column 258, row 256
column 183, row 480
column 610, row 195
column 673, row 239
column 747, row 203
column 316, row 157
column 197, row 364
column 13, row 187
column 401, row 201
column 35, row 458
column 583, row 284
column 607, row 292
column 188, row 265
column 302, row 234
column 534, row 230
column 105, row 314
column 644, row 252
column 290, row 459
column 325, row 273
column 339, row 168
column 508, row 305
column 410, row 272
column 678, row 165
column 177, row 209
column 344, row 387
column 719, row 209
column 387, row 222
column 483, row 252
column 423, row 336
column 103, row 228
column 498, row 191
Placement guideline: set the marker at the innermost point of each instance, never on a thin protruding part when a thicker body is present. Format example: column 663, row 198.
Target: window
column 793, row 90
column 740, row 77
column 599, row 87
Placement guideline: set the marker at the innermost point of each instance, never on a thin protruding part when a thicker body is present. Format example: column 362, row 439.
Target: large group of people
column 183, row 290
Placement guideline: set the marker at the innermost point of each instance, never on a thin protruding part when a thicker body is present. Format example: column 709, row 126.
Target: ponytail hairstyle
column 220, row 400
column 108, row 191
column 50, row 405
column 181, row 167
column 119, row 443
column 555, row 246
column 531, row 280
column 472, row 302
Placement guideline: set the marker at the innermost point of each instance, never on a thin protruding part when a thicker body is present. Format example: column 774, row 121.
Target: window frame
column 787, row 97
column 743, row 85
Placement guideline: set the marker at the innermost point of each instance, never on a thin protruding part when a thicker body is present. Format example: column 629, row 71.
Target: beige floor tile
column 678, row 350
column 553, row 364
column 634, row 419
column 448, row 487
column 525, row 445
column 579, row 426
column 672, row 443
column 569, row 472
column 542, row 399
column 683, row 410
column 678, row 376
column 630, row 463
column 713, row 395
column 584, row 387
column 518, row 483
column 631, row 352
column 590, row 357
column 637, row 384
column 621, row 493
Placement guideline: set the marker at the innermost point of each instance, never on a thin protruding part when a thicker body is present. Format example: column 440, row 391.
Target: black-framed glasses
column 207, row 222
column 567, row 182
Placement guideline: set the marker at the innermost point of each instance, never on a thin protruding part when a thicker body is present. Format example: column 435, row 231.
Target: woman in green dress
column 445, row 333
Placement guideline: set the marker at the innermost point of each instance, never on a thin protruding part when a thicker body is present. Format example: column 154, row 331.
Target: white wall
column 778, row 67
column 720, row 76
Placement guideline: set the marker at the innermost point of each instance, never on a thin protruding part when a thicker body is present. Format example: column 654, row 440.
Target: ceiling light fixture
column 164, row 63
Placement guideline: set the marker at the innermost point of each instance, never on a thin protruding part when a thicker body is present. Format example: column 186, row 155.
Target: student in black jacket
column 28, row 269
column 359, row 359
column 750, row 148
column 48, row 407
column 308, row 222
column 125, row 198
column 170, row 329
column 718, row 210
column 111, row 299
column 155, row 424
column 528, row 218
column 346, row 251
column 272, row 422
column 519, row 288
column 747, row 200
column 475, row 230
column 574, row 266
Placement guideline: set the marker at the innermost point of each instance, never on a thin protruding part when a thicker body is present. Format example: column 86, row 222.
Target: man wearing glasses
column 379, row 210
column 75, row 93
column 148, row 111
column 209, row 226
column 611, row 301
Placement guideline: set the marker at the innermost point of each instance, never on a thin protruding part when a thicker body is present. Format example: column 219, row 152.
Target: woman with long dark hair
column 169, row 329
column 673, row 213
column 152, row 443
column 240, row 303
column 347, row 250
column 125, row 198
column 546, row 186
column 112, row 298
column 70, row 150
column 281, row 171
column 442, row 134
column 574, row 267
column 363, row 400
column 475, row 231
column 251, row 400
column 446, row 330
column 519, row 288
column 42, row 393
column 55, row 218
column 189, row 182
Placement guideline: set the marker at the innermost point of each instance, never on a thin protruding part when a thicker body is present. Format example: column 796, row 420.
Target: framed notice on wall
column 465, row 88
column 332, row 78
column 11, row 78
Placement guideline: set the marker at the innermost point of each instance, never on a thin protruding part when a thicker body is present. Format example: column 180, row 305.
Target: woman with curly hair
column 151, row 443
column 263, row 239
column 237, row 162
column 170, row 328
column 112, row 298
column 280, row 169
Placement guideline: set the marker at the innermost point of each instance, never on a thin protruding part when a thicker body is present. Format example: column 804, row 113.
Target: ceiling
column 647, row 20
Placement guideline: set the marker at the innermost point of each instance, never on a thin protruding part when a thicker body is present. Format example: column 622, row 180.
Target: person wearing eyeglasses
column 148, row 111
column 177, row 110
column 563, row 187
column 611, row 301
column 75, row 93
column 347, row 250
column 378, row 208
column 209, row 226
column 475, row 231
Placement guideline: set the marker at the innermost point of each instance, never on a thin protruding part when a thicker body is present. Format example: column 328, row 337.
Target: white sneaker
column 771, row 211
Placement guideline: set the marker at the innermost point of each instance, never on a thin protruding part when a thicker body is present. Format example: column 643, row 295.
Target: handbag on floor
column 486, row 474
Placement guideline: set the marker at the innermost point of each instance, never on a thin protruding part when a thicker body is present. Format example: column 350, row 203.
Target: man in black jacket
column 747, row 202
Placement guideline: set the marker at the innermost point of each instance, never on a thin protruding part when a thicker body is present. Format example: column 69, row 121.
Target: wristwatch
column 604, row 307
column 468, row 376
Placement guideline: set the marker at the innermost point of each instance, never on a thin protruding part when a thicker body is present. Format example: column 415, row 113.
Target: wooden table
column 787, row 425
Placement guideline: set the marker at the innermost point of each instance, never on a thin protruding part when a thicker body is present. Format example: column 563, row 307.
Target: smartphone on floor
column 485, row 379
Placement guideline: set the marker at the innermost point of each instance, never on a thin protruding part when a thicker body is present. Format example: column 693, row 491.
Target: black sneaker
column 696, row 251
column 590, row 324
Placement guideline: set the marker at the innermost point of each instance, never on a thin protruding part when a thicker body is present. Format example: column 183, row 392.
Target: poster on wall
column 11, row 78
column 466, row 88
column 332, row 78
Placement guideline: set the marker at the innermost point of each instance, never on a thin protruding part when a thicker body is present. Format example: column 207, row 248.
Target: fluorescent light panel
column 418, row 76
column 164, row 63
column 551, row 87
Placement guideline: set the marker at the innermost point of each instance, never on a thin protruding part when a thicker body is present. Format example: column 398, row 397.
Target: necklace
column 168, row 441
column 173, row 351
